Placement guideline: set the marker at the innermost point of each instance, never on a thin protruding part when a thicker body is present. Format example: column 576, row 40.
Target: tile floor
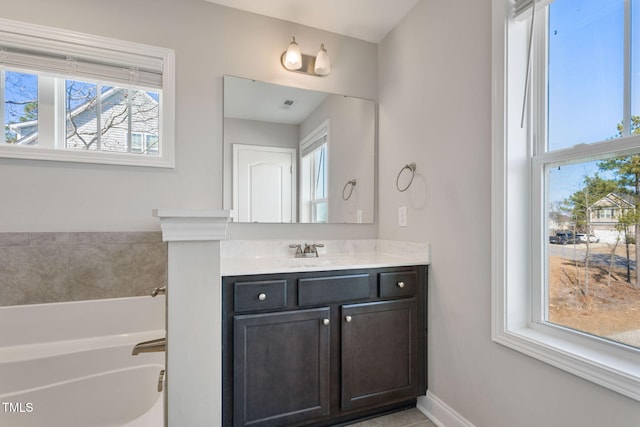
column 410, row 417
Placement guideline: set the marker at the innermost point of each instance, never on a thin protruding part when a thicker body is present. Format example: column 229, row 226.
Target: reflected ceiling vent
column 287, row 104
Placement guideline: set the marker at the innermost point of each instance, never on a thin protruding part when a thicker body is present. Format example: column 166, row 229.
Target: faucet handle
column 298, row 249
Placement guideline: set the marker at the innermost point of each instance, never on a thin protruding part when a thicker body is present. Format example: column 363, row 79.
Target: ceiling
column 369, row 20
column 265, row 102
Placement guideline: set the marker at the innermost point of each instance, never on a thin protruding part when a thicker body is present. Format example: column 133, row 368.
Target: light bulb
column 323, row 65
column 293, row 56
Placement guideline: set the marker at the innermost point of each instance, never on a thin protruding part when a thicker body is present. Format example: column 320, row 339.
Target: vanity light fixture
column 294, row 60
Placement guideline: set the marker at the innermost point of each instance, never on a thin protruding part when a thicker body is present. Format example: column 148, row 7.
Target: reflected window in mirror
column 314, row 201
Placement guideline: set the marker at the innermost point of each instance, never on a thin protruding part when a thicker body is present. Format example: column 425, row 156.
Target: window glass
column 20, row 108
column 314, row 205
column 114, row 119
column 145, row 118
column 81, row 114
column 104, row 122
column 586, row 71
column 152, row 144
column 592, row 203
column 136, row 142
column 321, row 212
column 320, row 172
column 591, row 254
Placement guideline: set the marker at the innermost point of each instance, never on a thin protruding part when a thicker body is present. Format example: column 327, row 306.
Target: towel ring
column 352, row 183
column 412, row 168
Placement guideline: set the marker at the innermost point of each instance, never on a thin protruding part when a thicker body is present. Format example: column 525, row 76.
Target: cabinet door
column 281, row 367
column 379, row 353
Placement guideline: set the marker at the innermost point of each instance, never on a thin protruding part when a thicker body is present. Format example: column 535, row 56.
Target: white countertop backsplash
column 245, row 257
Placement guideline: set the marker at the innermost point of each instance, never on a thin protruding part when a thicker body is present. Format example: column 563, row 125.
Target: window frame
column 519, row 217
column 26, row 35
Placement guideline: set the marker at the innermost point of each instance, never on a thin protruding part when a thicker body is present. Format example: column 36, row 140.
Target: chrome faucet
column 308, row 251
column 150, row 346
column 159, row 291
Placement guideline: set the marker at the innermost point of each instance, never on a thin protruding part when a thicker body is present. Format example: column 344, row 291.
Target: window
column 605, row 213
column 75, row 97
column 567, row 164
column 314, row 201
column 144, row 143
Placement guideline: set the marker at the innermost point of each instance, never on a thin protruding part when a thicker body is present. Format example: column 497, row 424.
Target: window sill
column 125, row 159
column 614, row 366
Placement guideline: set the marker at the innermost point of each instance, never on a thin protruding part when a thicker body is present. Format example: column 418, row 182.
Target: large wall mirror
column 297, row 155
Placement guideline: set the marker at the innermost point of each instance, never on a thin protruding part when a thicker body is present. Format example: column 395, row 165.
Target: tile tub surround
column 240, row 257
column 72, row 266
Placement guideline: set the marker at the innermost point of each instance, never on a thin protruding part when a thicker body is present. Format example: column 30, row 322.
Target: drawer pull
column 401, row 285
column 262, row 297
column 325, row 322
column 347, row 319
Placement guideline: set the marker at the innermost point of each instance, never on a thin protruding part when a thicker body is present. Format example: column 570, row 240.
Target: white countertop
column 248, row 257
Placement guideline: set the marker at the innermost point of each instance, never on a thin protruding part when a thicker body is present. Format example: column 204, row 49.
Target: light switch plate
column 402, row 216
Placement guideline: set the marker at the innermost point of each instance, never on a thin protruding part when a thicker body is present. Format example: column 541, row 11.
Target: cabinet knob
column 262, row 297
column 325, row 322
column 401, row 285
column 347, row 319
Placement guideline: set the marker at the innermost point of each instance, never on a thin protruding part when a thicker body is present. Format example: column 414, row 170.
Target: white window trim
column 113, row 50
column 616, row 367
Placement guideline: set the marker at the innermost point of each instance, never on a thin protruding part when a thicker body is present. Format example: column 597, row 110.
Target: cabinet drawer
column 263, row 295
column 328, row 290
column 398, row 284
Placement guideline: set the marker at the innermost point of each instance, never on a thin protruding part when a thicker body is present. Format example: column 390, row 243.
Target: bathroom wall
column 209, row 41
column 435, row 110
column 55, row 267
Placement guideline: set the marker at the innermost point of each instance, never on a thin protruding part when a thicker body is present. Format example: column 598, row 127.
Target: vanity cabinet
column 322, row 348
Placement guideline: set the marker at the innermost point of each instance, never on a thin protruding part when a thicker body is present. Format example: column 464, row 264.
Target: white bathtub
column 70, row 364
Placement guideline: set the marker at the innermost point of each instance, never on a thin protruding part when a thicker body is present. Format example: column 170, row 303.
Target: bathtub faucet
column 150, row 346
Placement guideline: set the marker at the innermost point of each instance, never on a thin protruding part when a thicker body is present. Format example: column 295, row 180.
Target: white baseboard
column 440, row 413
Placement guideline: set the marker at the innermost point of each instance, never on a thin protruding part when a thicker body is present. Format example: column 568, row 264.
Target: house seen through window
column 82, row 98
column 97, row 117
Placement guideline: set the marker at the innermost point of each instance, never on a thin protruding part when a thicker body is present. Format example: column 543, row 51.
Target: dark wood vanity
column 322, row 348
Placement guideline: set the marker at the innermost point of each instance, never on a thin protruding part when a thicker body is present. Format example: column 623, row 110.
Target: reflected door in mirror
column 264, row 188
